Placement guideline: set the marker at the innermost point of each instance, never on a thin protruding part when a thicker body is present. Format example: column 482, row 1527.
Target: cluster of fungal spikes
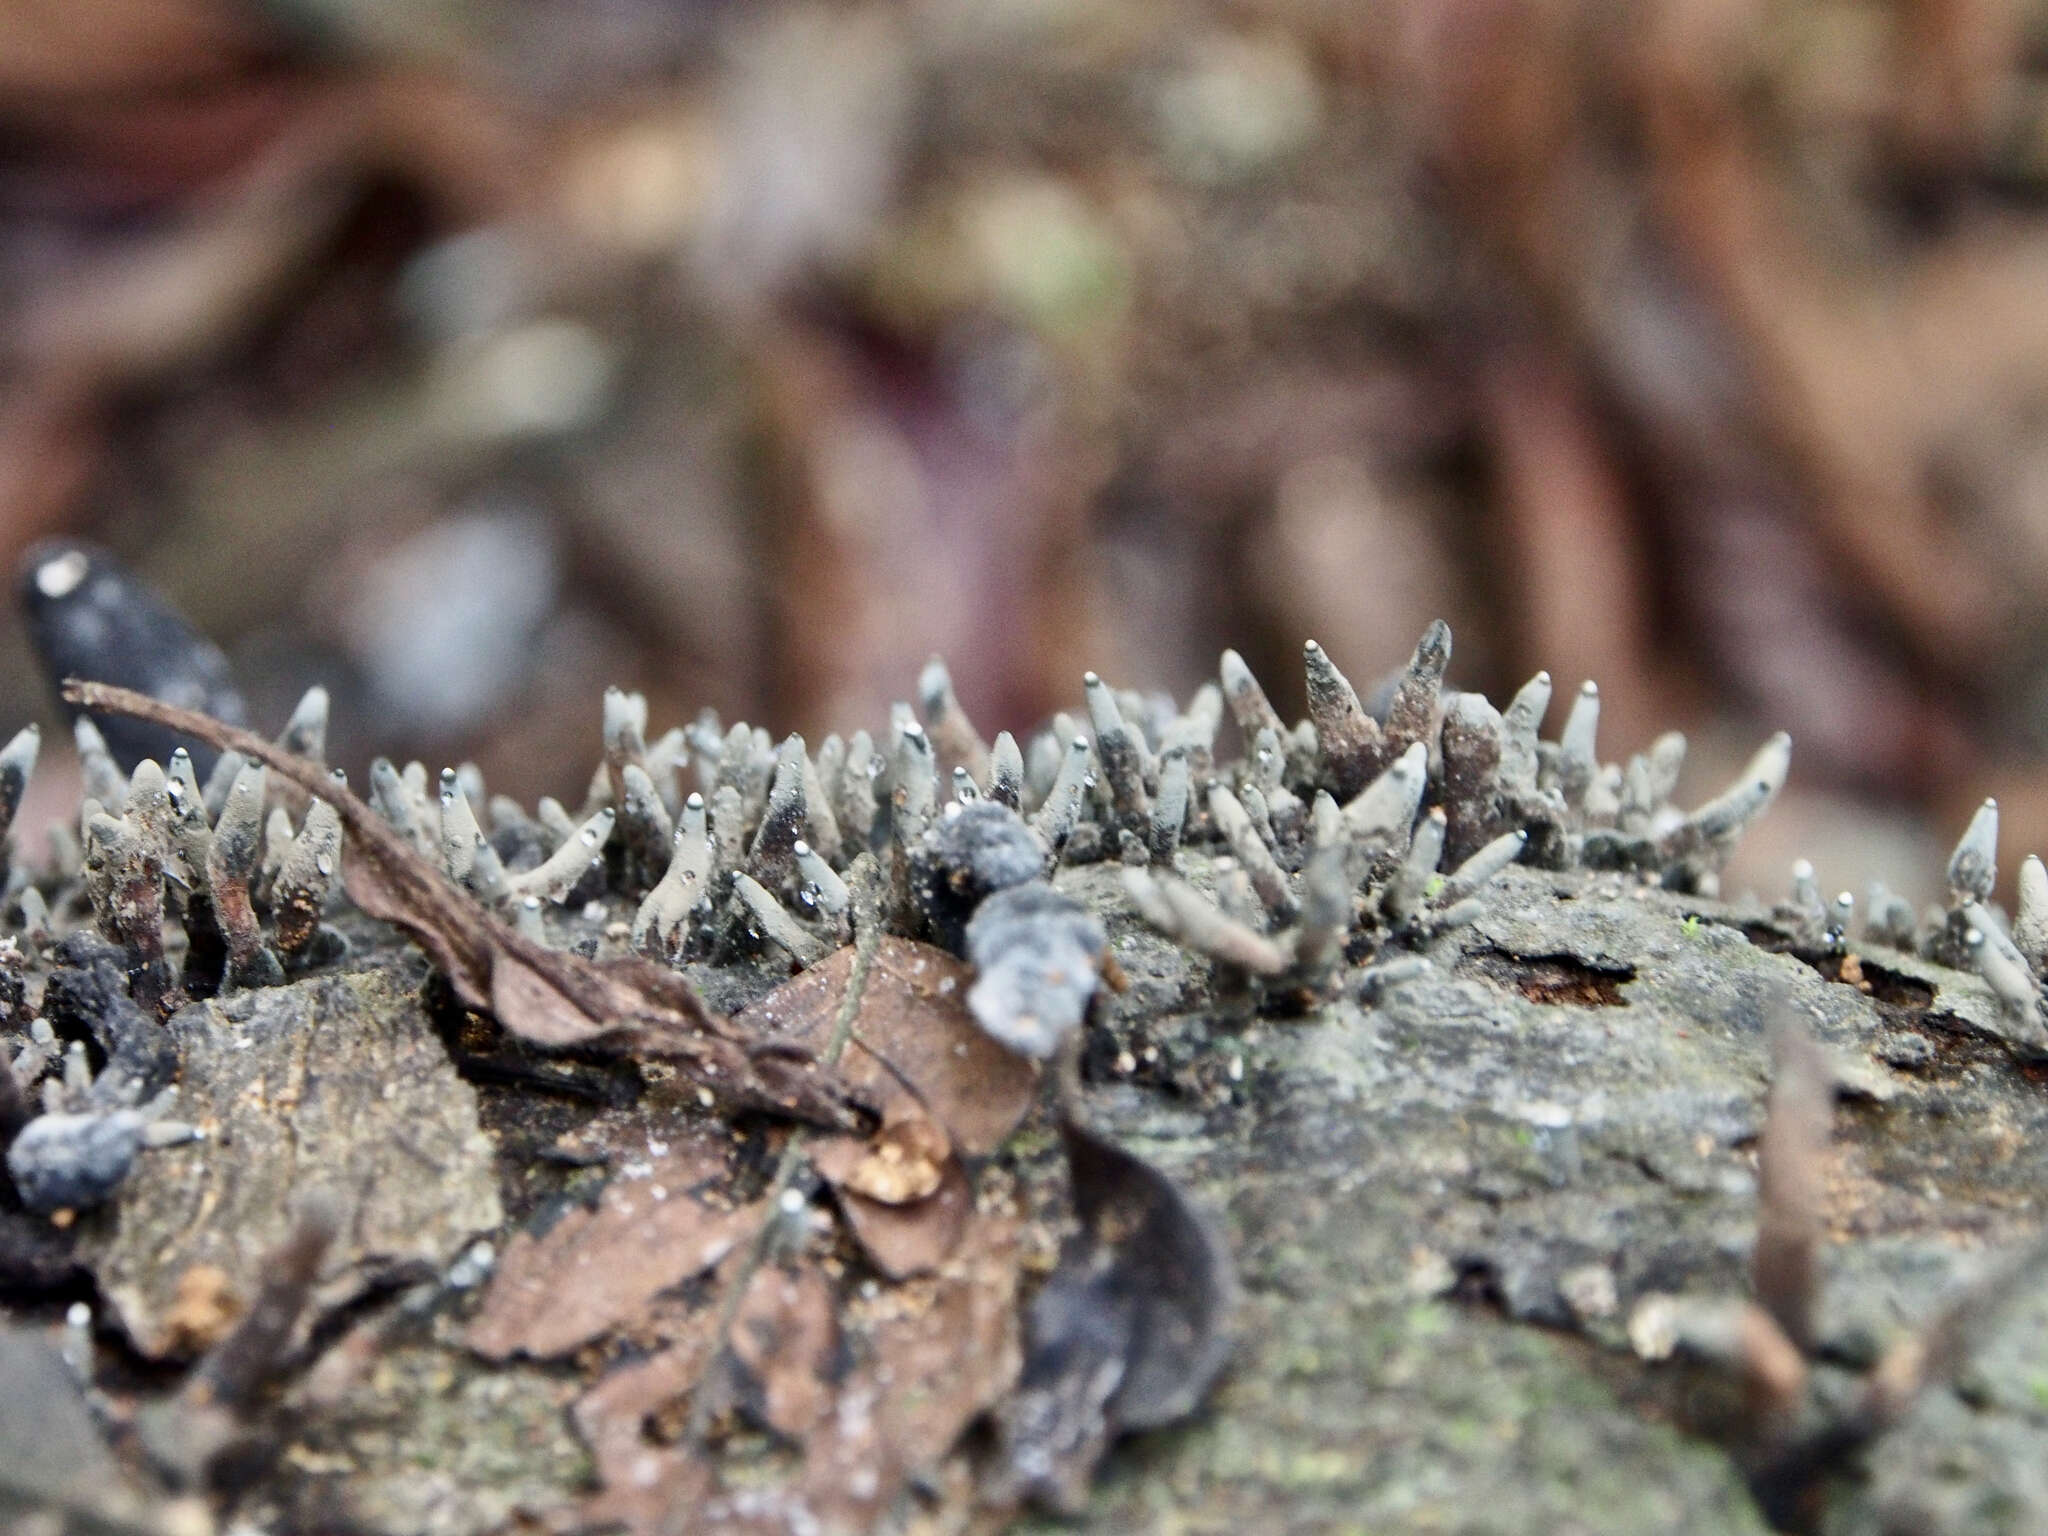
column 1353, row 834
column 194, row 888
column 1345, row 834
column 221, row 858
column 1969, row 932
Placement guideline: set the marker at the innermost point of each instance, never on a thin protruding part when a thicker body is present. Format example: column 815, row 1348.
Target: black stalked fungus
column 90, row 617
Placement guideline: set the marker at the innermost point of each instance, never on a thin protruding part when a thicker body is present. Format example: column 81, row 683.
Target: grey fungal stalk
column 304, row 881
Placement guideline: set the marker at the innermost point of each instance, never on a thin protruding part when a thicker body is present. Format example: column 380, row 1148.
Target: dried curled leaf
column 785, row 1339
column 917, row 1238
column 913, row 1039
column 954, row 1335
column 596, row 1270
column 642, row 1479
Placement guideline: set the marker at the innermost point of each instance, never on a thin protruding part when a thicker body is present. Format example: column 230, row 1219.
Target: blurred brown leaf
column 914, row 1039
column 597, row 1270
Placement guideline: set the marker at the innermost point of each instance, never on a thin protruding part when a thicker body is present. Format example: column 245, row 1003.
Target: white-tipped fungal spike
column 1722, row 819
column 1181, row 912
column 914, row 792
column 1119, row 750
column 1325, row 914
column 952, row 733
column 104, row 780
column 305, row 733
column 2006, row 974
column 1352, row 747
column 560, row 872
column 1248, row 703
column 1266, row 876
column 776, row 925
column 644, row 826
column 460, row 833
column 1973, row 867
column 1995, row 938
column 684, row 887
column 1577, row 747
column 2030, row 923
column 233, row 856
column 1840, row 915
column 1006, row 772
column 822, row 888
column 1325, row 822
column 1468, row 878
column 1521, row 726
column 1383, row 814
column 1410, row 888
column 1062, row 808
column 309, row 871
column 783, row 819
column 1170, row 806
column 625, row 727
column 1412, row 712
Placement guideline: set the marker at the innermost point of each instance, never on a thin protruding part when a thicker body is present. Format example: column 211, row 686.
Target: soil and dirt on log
column 1387, row 1128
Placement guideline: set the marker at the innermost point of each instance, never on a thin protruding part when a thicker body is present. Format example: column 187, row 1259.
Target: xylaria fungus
column 975, row 849
column 1332, row 852
column 77, row 1151
column 1347, row 836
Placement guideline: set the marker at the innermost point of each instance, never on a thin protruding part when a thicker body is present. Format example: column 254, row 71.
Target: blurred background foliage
column 470, row 357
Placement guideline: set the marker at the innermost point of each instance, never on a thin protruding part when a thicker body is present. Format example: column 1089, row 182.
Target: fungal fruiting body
column 1348, row 835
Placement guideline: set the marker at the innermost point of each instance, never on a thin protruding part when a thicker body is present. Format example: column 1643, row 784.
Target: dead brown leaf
column 932, row 1355
column 785, row 1338
column 937, row 1353
column 913, row 1036
column 642, row 1477
column 598, row 1270
column 913, row 1239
